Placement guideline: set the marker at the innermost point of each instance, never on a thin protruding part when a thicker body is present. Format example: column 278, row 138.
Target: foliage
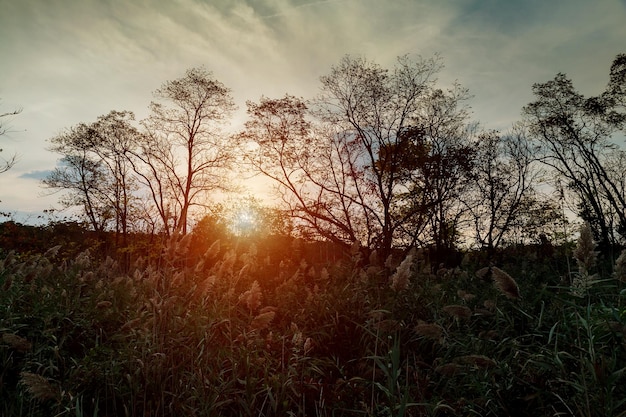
column 183, row 155
column 378, row 157
column 244, row 327
column 574, row 136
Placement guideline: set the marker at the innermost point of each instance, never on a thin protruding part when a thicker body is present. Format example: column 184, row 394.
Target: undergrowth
column 235, row 332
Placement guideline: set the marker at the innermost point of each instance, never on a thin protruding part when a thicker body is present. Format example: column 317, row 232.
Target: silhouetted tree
column 574, row 136
column 184, row 155
column 6, row 164
column 352, row 167
column 503, row 184
column 95, row 171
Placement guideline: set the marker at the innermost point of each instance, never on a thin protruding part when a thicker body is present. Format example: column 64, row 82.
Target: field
column 231, row 327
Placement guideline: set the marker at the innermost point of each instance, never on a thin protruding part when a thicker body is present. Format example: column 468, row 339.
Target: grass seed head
column 252, row 297
column 16, row 342
column 262, row 320
column 458, row 311
column 430, row 331
column 400, row 279
column 585, row 253
column 39, row 387
column 505, row 283
column 620, row 267
column 448, row 369
column 483, row 273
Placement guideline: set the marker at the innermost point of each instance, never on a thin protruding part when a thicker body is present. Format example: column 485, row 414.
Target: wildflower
column 244, row 270
column 38, row 386
column 206, row 285
column 391, row 263
column 400, row 280
column 458, row 311
column 296, row 340
column 505, row 283
column 585, row 258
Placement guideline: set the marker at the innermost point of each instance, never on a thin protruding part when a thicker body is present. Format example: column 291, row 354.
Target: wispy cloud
column 69, row 62
column 286, row 9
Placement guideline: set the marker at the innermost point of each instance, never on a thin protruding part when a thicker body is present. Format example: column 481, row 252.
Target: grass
column 233, row 330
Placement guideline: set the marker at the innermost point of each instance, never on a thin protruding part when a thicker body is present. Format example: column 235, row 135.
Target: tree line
column 381, row 156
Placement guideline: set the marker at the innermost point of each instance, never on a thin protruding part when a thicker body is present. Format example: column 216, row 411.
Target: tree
column 574, row 137
column 503, row 190
column 348, row 166
column 442, row 177
column 95, row 170
column 7, row 164
column 184, row 155
column 115, row 140
column 81, row 175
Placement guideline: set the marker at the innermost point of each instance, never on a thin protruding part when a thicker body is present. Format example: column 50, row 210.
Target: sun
column 244, row 222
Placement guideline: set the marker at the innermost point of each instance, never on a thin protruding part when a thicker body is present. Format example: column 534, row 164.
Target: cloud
column 70, row 62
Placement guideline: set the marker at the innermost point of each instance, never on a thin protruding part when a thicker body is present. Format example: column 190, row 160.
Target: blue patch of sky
column 37, row 175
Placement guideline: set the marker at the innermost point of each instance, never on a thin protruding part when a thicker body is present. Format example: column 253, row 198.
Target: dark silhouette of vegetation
column 574, row 137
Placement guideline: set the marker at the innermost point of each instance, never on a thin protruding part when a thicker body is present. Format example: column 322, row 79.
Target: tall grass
column 234, row 331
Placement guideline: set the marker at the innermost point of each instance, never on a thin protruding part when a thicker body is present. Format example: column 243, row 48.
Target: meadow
column 201, row 326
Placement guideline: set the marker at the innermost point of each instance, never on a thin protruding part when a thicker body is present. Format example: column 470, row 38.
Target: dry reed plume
column 620, row 267
column 252, row 297
column 16, row 342
column 400, row 279
column 458, row 311
column 262, row 320
column 39, row 387
column 505, row 283
column 585, row 253
column 430, row 331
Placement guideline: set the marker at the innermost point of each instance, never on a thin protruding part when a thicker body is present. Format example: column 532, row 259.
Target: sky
column 64, row 62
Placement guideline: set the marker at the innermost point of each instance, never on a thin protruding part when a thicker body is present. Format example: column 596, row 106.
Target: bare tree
column 574, row 134
column 81, row 175
column 184, row 155
column 503, row 190
column 349, row 168
column 95, row 171
column 7, row 164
